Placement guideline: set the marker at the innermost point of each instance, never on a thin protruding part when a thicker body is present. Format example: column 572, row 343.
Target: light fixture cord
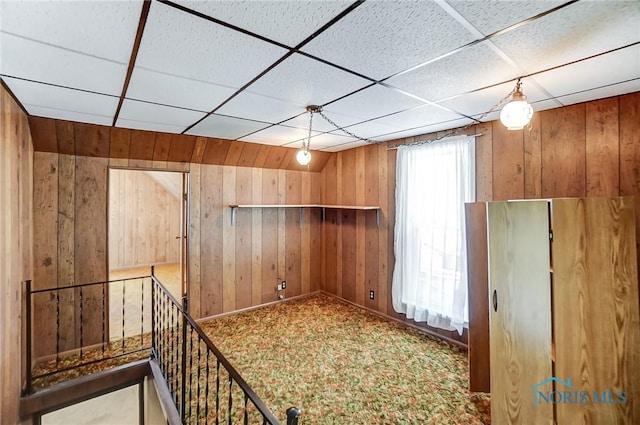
column 308, row 144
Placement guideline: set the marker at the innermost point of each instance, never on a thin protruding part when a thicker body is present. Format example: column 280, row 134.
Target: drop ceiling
column 246, row 70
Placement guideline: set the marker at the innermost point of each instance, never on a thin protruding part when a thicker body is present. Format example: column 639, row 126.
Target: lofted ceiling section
column 246, row 70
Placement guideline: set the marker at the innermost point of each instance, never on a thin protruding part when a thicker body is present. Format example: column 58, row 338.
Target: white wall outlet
column 279, row 287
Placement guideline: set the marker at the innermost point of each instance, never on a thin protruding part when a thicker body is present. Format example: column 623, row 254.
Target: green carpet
column 344, row 365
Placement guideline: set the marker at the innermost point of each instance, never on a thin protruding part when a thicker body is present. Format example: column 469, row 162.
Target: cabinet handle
column 495, row 300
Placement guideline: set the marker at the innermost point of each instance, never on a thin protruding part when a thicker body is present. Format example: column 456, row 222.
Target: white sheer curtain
column 433, row 181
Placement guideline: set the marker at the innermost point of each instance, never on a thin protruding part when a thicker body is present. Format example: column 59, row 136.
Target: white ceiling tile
column 368, row 129
column 63, row 99
column 176, row 91
column 60, row 114
column 474, row 67
column 277, row 135
column 40, row 62
column 257, row 107
column 580, row 30
column 479, row 102
column 106, row 29
column 489, row 16
column 324, row 140
column 306, row 81
column 432, row 128
column 381, row 38
column 367, row 104
column 608, row 69
column 181, row 44
column 225, row 127
column 319, row 123
column 418, row 117
column 602, row 92
column 152, row 113
column 340, row 146
column 287, row 22
column 149, row 126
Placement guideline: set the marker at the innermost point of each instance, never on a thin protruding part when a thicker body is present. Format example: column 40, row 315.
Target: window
column 433, row 182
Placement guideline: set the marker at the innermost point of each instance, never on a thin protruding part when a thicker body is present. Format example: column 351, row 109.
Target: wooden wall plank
column 270, row 271
column 533, row 160
column 361, row 229
column 383, row 234
column 602, row 148
column 66, row 137
column 305, row 236
column 216, row 151
column 348, row 256
column 315, row 250
column 194, row 242
column 211, row 239
column 249, row 154
column 233, row 155
column 181, row 149
column 340, row 201
column 319, row 161
column 142, row 145
column 275, row 157
column 508, row 163
column 43, row 133
column 198, row 150
column 91, row 140
column 484, row 162
column 66, row 249
column 45, row 252
column 563, row 151
column 16, row 231
column 90, row 235
column 262, row 156
column 162, row 147
column 243, row 247
column 228, row 240
column 256, row 238
column 119, row 142
column 293, row 195
column 630, row 151
column 281, row 226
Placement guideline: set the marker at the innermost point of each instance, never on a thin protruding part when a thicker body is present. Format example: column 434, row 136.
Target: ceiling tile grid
column 287, row 22
column 577, row 31
column 226, row 127
column 376, row 70
column 181, row 44
column 381, row 38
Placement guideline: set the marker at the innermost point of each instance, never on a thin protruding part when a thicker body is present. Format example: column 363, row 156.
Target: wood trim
column 134, row 54
column 84, row 388
column 164, row 395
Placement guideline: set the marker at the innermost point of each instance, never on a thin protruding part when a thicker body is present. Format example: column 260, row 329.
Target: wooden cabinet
column 564, row 327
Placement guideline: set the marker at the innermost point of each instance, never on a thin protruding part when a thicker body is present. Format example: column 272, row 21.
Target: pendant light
column 516, row 114
column 304, row 156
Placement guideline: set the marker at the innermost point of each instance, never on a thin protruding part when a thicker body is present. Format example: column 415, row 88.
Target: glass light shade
column 303, row 157
column 516, row 114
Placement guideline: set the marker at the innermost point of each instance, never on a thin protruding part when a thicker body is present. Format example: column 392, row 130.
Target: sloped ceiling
column 246, row 70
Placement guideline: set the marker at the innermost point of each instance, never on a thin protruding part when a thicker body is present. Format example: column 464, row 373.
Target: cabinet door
column 520, row 311
column 595, row 309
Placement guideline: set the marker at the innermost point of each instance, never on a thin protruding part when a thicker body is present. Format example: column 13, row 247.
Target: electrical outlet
column 279, row 287
column 284, row 284
column 371, row 295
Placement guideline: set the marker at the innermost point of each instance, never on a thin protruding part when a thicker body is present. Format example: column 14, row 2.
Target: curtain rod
column 395, row 146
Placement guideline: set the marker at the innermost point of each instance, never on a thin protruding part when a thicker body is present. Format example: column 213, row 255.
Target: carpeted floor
column 344, row 365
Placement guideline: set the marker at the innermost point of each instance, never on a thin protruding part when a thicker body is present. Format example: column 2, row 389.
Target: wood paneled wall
column 234, row 267
column 74, row 138
column 230, row 267
column 144, row 220
column 16, row 259
column 587, row 149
